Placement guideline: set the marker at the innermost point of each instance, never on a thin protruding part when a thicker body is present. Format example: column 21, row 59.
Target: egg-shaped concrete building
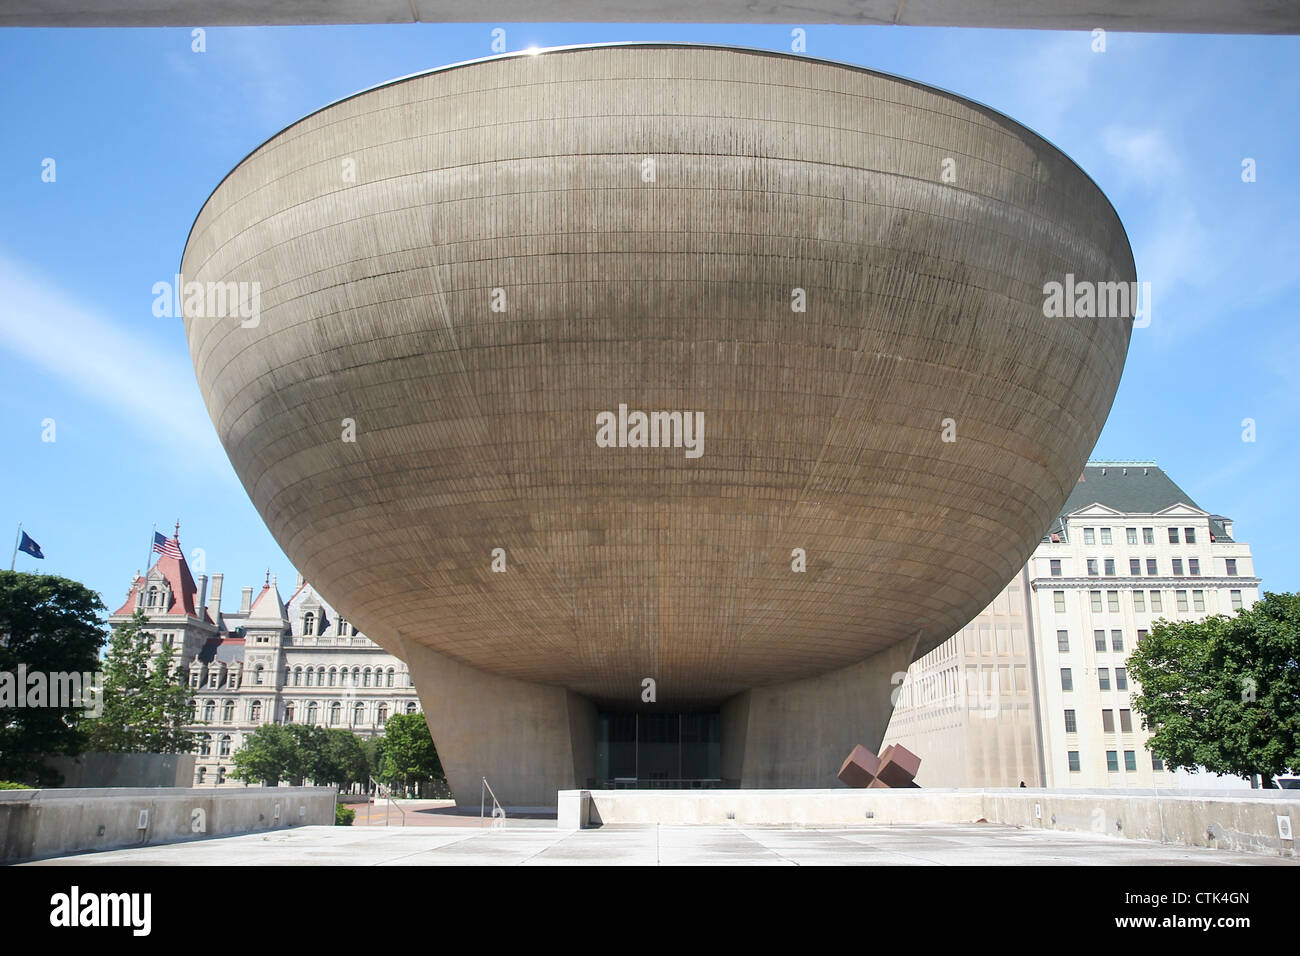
column 657, row 403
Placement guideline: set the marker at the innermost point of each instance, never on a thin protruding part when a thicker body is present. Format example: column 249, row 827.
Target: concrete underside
column 531, row 740
column 1147, row 16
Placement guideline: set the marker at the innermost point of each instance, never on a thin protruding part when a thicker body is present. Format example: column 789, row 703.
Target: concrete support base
column 532, row 740
column 798, row 734
column 529, row 740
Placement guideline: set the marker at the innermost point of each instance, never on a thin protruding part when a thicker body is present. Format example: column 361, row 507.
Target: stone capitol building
column 269, row 662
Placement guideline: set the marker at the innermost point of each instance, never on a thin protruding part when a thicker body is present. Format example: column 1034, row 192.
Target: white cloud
column 1146, row 154
column 138, row 378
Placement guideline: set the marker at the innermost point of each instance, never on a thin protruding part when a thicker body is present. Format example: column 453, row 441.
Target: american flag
column 166, row 546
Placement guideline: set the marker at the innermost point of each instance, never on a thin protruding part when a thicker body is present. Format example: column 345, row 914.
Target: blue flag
column 28, row 546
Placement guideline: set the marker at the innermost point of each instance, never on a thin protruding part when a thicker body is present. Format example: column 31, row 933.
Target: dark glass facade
column 658, row 750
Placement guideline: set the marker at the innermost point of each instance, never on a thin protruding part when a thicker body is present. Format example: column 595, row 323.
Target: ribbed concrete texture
column 1147, row 16
column 836, row 270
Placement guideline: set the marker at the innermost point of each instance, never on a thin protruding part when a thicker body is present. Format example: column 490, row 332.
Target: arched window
column 309, row 623
column 209, row 711
column 288, row 712
column 320, row 676
column 335, row 710
column 153, row 597
column 224, row 749
column 194, row 710
column 390, row 677
column 358, row 713
column 205, row 745
column 257, row 674
column 381, row 715
column 410, row 706
column 365, row 677
column 311, row 712
column 311, row 676
column 221, row 775
column 333, row 676
column 343, row 677
column 228, row 711
column 342, row 627
column 297, row 676
column 255, row 712
column 203, row 773
column 356, row 677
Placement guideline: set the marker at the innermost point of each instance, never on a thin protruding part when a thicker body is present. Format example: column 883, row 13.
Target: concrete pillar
column 797, row 734
column 529, row 740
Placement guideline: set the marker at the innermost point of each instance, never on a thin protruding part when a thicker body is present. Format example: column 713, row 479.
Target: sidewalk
column 441, row 813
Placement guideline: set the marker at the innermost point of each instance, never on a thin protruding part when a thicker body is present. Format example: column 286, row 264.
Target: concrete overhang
column 1145, row 16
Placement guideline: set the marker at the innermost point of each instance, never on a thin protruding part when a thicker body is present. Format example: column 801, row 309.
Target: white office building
column 1129, row 547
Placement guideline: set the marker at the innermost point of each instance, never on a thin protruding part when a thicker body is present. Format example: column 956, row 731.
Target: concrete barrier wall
column 125, row 770
column 1238, row 822
column 1247, row 822
column 35, row 824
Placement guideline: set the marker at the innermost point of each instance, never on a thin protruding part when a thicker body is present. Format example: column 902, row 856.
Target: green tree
column 146, row 703
column 407, row 753
column 297, row 752
column 272, row 753
column 340, row 759
column 49, row 625
column 1224, row 693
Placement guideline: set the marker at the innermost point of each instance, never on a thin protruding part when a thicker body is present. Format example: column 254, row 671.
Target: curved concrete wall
column 468, row 266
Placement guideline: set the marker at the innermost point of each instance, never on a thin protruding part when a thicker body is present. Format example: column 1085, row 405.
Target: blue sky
column 142, row 129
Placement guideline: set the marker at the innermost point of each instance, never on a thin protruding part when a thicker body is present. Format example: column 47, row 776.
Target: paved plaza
column 539, row 843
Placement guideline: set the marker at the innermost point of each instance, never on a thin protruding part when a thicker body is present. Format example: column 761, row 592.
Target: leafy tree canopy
column 49, row 625
column 146, row 703
column 1224, row 693
column 407, row 751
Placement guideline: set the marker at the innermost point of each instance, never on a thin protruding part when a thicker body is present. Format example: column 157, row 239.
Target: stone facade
column 268, row 662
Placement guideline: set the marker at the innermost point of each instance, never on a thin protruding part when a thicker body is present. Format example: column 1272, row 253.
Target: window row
column 1131, row 535
column 1112, row 761
column 311, row 713
column 223, row 745
column 1106, row 567
column 1098, row 640
column 1144, row 601
column 201, row 775
column 1107, row 721
column 1103, row 678
column 338, row 677
column 341, row 627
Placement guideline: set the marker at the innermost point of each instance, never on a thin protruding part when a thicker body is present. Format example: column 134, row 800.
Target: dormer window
column 309, row 623
column 153, row 596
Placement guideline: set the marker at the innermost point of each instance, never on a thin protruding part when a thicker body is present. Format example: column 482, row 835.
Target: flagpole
column 17, row 537
column 148, row 558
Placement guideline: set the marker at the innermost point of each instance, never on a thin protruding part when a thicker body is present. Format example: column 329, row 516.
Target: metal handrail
column 498, row 812
column 387, row 793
